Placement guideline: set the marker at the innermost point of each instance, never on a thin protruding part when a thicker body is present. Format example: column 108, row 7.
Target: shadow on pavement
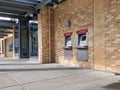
column 42, row 69
column 113, row 86
column 10, row 64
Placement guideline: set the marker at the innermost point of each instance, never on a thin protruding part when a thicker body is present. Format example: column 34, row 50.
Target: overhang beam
column 31, row 2
column 43, row 3
column 4, row 23
column 11, row 11
column 15, row 3
column 10, row 15
column 17, row 9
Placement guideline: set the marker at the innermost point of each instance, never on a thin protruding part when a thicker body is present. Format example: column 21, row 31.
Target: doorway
column 33, row 41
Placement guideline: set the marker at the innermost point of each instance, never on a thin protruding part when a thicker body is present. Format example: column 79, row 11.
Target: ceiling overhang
column 23, row 8
column 20, row 9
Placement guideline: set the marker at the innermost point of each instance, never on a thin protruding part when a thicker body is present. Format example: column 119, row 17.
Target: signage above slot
column 82, row 31
column 68, row 34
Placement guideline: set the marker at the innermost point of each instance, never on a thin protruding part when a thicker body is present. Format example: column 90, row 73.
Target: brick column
column 13, row 42
column 99, row 34
column 3, row 47
column 44, row 35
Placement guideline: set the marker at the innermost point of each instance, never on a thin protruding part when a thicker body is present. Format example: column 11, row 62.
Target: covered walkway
column 44, row 38
column 25, row 75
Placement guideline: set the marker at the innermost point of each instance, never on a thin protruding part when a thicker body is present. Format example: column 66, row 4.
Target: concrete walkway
column 23, row 75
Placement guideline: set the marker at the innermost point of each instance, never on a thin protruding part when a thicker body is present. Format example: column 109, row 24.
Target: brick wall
column 112, row 35
column 100, row 17
column 46, row 35
column 3, row 48
column 43, row 35
column 8, row 41
column 80, row 13
column 99, row 34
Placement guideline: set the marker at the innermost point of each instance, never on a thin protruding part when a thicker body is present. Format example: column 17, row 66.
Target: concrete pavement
column 24, row 75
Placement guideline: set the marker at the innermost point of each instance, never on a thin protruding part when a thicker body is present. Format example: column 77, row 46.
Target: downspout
column 49, row 34
column 93, row 31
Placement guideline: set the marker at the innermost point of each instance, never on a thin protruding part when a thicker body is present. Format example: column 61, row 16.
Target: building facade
column 7, row 44
column 100, row 19
column 84, row 33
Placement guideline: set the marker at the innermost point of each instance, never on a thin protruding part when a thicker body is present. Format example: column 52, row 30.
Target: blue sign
column 10, row 47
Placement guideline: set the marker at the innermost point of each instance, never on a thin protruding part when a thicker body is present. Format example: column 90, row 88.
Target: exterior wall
column 112, row 35
column 100, row 17
column 3, row 48
column 44, row 41
column 0, row 48
column 99, row 34
column 107, row 35
column 8, row 41
column 43, row 35
column 80, row 13
column 52, row 36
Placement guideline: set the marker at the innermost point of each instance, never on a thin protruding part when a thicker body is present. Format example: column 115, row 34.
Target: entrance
column 33, row 41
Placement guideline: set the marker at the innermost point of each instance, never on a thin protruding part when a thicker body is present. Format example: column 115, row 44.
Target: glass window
column 83, row 38
column 68, row 41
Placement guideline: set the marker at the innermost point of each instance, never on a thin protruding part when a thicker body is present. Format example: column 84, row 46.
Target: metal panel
column 7, row 23
column 68, row 54
column 16, row 3
column 24, row 7
column 17, row 8
column 11, row 11
column 5, row 27
column 32, row 2
column 10, row 15
column 82, row 54
column 24, row 38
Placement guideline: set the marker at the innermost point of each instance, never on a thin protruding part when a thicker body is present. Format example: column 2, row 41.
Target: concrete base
column 22, row 75
column 33, row 59
column 16, row 56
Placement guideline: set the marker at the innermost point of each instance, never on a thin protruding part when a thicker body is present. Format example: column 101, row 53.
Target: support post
column 24, row 38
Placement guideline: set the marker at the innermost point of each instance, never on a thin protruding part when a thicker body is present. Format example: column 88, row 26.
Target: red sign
column 82, row 31
column 68, row 34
